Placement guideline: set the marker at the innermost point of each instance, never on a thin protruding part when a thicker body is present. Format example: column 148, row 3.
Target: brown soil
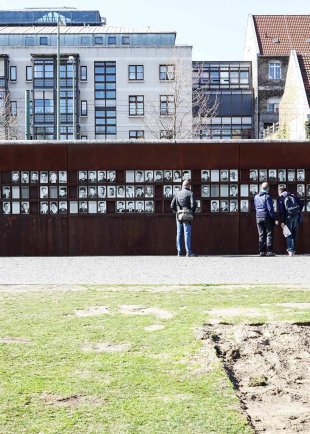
column 269, row 366
column 92, row 311
column 105, row 347
column 8, row 340
column 69, row 401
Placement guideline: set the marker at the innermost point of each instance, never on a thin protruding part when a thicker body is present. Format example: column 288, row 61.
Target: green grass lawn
column 56, row 381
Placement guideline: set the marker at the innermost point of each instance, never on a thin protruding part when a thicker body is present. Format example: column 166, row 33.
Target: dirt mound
column 269, row 366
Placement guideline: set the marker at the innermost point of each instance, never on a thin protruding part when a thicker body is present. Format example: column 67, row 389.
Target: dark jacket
column 185, row 199
column 264, row 206
column 282, row 210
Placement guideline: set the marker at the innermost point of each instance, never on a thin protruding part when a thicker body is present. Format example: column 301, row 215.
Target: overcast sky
column 215, row 28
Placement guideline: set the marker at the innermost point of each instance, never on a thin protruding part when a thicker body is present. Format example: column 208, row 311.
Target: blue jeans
column 184, row 229
column 292, row 224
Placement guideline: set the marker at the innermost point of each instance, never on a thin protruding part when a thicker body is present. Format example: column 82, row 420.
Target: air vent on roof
column 276, row 40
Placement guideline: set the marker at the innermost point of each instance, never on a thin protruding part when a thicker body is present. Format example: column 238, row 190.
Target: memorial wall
column 111, row 198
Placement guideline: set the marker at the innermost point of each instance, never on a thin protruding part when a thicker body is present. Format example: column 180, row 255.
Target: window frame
column 84, row 108
column 135, row 72
column 29, row 68
column 12, row 75
column 166, row 76
column 43, row 38
column 137, row 134
column 274, row 66
column 136, row 105
column 167, row 105
column 82, row 75
column 13, row 108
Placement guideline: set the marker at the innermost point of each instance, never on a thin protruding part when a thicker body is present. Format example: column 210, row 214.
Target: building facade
column 270, row 40
column 227, row 111
column 114, row 83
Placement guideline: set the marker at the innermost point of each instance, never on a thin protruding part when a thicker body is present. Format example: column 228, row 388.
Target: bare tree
column 204, row 103
column 8, row 117
column 184, row 106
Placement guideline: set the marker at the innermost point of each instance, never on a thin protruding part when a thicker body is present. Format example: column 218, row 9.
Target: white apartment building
column 117, row 83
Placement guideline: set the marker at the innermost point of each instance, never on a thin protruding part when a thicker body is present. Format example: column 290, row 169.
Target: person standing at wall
column 290, row 207
column 265, row 220
column 184, row 203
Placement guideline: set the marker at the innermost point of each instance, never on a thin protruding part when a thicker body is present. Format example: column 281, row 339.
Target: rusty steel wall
column 142, row 234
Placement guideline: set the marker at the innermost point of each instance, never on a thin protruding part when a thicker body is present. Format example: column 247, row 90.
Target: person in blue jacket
column 265, row 220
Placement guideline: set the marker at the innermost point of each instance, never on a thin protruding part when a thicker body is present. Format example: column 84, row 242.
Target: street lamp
column 71, row 60
column 59, row 23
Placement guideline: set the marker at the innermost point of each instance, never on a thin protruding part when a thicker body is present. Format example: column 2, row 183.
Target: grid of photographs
column 20, row 190
column 141, row 191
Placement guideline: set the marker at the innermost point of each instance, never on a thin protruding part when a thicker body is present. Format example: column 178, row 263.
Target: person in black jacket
column 265, row 220
column 184, row 199
column 290, row 207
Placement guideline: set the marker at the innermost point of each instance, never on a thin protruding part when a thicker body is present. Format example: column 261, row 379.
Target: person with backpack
column 290, row 207
column 265, row 220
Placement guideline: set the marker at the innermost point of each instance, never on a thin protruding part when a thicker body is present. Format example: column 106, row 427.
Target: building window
column 66, row 132
column 166, row 134
column 105, row 121
column 105, row 80
column 43, row 40
column 13, row 73
column 125, row 40
column 136, row 105
column 28, row 73
column 274, row 70
column 135, row 72
column 83, row 137
column 13, row 105
column 83, row 73
column 166, row 72
column 43, row 73
column 167, row 106
column 85, row 40
column 84, row 108
column 44, row 133
column 98, row 40
column 136, row 134
column 273, row 105
column 29, row 41
column 111, row 40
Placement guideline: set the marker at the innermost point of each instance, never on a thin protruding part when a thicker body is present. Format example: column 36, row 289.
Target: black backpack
column 291, row 205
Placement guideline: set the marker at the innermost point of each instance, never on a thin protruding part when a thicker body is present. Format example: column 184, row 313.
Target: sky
column 215, row 28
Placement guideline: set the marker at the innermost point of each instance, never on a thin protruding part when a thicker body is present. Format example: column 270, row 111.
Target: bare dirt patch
column 9, row 340
column 269, row 366
column 69, row 401
column 105, row 347
column 92, row 311
column 134, row 309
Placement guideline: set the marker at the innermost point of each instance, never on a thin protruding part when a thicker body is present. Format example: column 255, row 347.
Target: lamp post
column 71, row 60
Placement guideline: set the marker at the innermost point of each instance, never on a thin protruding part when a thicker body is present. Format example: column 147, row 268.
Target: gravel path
column 154, row 270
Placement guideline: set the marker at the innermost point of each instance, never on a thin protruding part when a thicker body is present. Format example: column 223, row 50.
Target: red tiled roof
column 304, row 63
column 277, row 35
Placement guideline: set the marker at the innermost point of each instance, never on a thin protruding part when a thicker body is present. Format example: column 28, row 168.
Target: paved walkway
column 154, row 270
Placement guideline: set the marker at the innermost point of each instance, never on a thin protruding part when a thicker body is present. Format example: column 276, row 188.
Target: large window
column 105, row 80
column 167, row 106
column 166, row 72
column 136, row 105
column 135, row 72
column 43, row 73
column 275, row 70
column 105, row 121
